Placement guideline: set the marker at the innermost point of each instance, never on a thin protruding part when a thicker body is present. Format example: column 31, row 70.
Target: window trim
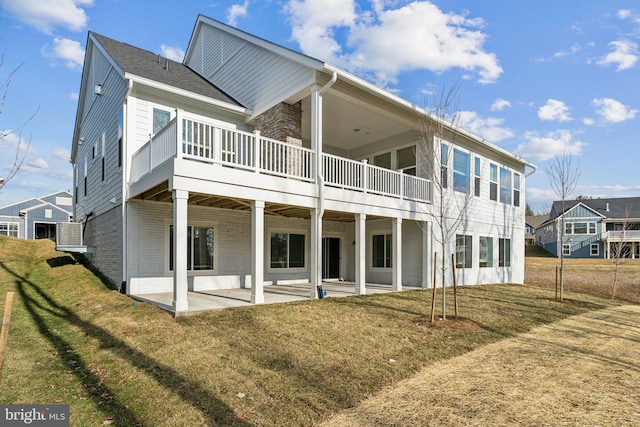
column 477, row 182
column 384, row 233
column 153, row 106
column 466, row 189
column 493, row 182
column 597, row 247
column 468, row 250
column 566, row 246
column 489, row 261
column 503, row 260
column 216, row 252
column 9, row 225
column 303, row 269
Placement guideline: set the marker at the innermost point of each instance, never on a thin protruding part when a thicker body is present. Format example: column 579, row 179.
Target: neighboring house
column 36, row 218
column 251, row 164
column 531, row 223
column 594, row 228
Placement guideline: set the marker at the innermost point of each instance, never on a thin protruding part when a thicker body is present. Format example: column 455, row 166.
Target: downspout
column 125, row 178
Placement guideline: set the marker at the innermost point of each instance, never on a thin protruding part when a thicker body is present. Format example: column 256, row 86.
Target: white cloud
column 385, row 42
column 500, row 104
column 69, row 51
column 173, row 53
column 588, row 121
column 623, row 13
column 237, row 11
column 613, row 111
column 74, row 95
column 545, row 147
column 62, row 154
column 554, row 110
column 488, row 128
column 9, row 139
column 45, row 15
column 625, row 55
column 38, row 164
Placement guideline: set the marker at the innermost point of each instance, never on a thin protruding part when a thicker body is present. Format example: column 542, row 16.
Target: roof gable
column 142, row 63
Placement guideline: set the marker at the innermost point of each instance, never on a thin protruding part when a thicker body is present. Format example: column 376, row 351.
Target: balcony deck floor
column 202, row 301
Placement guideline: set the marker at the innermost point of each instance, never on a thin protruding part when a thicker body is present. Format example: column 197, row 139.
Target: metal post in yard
column 435, row 276
column 455, row 293
column 556, row 282
column 4, row 333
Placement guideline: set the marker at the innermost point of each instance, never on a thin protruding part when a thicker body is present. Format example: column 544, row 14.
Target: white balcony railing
column 622, row 235
column 211, row 143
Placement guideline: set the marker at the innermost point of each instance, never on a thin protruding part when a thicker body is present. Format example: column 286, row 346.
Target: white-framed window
column 201, row 247
column 505, row 185
column 381, row 251
column 287, row 250
column 160, row 118
column 516, row 189
column 485, row 251
column 406, row 160
column 48, row 213
column 464, row 251
column 444, row 168
column 9, row 229
column 580, row 228
column 476, row 169
column 461, row 171
column 504, row 252
column 595, row 249
column 493, row 182
column 566, row 249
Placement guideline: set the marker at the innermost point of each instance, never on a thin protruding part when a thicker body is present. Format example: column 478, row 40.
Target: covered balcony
column 206, row 142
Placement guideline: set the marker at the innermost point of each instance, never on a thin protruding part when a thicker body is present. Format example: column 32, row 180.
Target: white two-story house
column 250, row 164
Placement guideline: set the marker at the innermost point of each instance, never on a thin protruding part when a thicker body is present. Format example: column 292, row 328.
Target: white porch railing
column 622, row 235
column 211, row 143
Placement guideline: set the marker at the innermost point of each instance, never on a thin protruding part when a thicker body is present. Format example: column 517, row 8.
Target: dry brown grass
column 587, row 276
column 583, row 370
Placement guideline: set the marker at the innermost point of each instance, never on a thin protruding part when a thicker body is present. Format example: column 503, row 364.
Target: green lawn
column 73, row 340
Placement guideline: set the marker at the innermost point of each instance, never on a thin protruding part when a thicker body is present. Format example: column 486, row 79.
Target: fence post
column 257, row 152
column 179, row 133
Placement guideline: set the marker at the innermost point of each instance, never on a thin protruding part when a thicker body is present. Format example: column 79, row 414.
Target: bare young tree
column 563, row 174
column 21, row 146
column 618, row 249
column 438, row 135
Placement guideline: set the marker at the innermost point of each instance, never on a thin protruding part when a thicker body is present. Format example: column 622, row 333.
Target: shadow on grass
column 41, row 307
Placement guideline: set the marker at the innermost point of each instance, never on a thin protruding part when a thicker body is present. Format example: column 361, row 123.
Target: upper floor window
column 516, row 189
column 505, row 185
column 444, row 169
column 476, row 184
column 406, row 160
column 580, row 228
column 493, row 182
column 160, row 119
column 461, row 171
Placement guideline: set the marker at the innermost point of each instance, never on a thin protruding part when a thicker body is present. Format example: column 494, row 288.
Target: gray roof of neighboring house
column 535, row 220
column 152, row 66
column 616, row 206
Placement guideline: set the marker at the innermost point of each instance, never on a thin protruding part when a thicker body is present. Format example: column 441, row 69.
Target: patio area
column 219, row 299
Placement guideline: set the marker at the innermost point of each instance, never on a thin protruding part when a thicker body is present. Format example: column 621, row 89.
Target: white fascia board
column 186, row 94
column 369, row 87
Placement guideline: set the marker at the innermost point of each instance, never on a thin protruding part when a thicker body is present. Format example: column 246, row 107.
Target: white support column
column 180, row 242
column 361, row 254
column 316, row 252
column 257, row 252
column 396, row 262
column 426, row 255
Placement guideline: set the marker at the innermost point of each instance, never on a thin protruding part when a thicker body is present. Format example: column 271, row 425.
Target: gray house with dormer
column 593, row 228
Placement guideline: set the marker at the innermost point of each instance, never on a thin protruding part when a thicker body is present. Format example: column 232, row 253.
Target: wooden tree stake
column 455, row 289
column 4, row 333
column 435, row 276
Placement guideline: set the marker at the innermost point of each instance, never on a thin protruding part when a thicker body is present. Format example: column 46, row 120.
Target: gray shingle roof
column 617, row 206
column 152, row 66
